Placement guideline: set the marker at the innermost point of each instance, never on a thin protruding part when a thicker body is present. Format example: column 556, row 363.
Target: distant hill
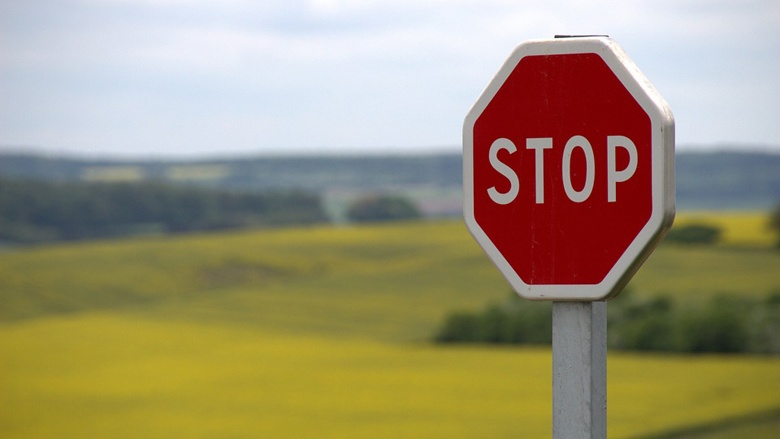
column 705, row 180
column 728, row 180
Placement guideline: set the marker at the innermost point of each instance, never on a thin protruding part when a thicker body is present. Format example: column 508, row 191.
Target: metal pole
column 579, row 348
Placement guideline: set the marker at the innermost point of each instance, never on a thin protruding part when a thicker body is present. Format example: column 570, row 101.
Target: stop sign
column 568, row 163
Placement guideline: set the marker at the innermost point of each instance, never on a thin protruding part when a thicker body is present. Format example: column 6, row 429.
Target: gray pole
column 579, row 348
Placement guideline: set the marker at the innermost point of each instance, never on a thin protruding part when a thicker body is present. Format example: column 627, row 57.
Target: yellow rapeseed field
column 324, row 332
column 104, row 375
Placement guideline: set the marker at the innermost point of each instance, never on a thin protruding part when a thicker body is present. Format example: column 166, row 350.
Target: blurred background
column 243, row 219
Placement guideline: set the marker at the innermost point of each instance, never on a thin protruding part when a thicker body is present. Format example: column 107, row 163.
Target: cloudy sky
column 221, row 77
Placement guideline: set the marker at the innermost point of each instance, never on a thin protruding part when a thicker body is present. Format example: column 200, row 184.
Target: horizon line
column 65, row 154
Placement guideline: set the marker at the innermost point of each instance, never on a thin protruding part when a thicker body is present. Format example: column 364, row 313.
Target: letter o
column 590, row 169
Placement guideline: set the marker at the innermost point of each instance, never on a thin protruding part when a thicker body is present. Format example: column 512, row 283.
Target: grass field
column 324, row 332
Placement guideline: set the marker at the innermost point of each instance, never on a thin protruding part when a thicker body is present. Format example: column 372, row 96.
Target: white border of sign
column 662, row 123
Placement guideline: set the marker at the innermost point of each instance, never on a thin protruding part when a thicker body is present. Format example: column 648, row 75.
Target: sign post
column 568, row 178
column 579, row 352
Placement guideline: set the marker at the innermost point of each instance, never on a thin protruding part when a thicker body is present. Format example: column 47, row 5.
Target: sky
column 178, row 78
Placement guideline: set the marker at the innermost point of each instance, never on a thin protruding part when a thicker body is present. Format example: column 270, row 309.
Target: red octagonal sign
column 568, row 163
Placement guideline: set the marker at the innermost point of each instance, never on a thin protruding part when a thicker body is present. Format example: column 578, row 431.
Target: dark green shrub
column 375, row 208
column 774, row 223
column 492, row 326
column 458, row 327
column 765, row 327
column 725, row 324
column 721, row 326
column 643, row 325
column 694, row 234
column 516, row 321
column 530, row 322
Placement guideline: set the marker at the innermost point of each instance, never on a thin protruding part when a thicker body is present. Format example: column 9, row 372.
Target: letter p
column 613, row 175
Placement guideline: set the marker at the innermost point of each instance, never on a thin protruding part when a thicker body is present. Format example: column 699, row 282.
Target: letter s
column 514, row 183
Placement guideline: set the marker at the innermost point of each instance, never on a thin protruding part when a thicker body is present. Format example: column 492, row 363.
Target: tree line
column 37, row 211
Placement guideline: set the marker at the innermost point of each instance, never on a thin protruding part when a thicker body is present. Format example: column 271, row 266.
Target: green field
column 323, row 332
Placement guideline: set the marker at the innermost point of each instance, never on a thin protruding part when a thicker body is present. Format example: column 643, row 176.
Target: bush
column 765, row 327
column 529, row 322
column 642, row 325
column 695, row 234
column 725, row 324
column 375, row 208
column 774, row 223
column 458, row 327
column 515, row 321
column 722, row 326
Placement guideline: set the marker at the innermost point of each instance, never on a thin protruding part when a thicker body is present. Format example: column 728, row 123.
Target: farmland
column 324, row 332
